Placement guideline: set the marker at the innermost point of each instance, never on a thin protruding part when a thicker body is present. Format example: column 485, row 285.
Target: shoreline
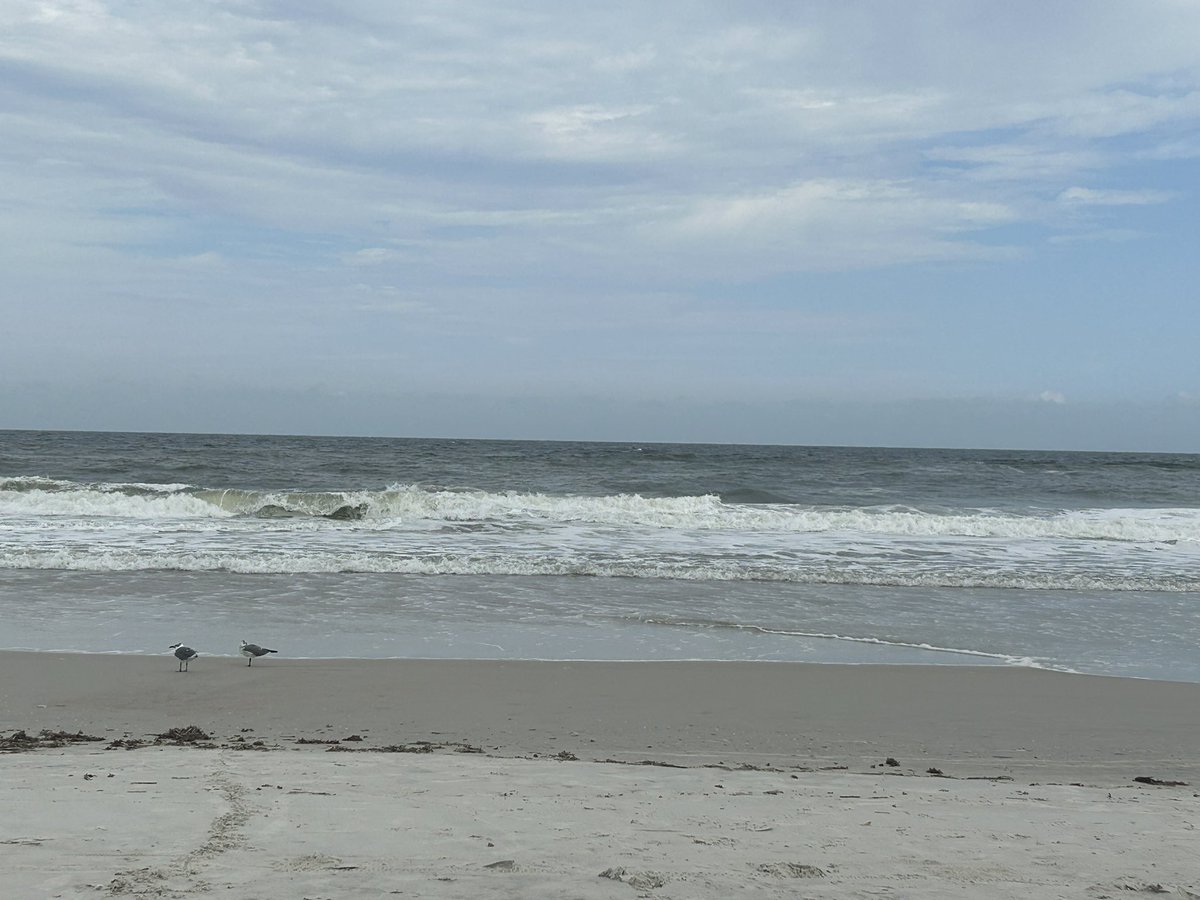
column 987, row 721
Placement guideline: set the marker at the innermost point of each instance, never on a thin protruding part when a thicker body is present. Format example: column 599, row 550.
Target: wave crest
column 400, row 504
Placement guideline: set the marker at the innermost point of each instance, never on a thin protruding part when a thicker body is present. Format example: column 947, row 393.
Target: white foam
column 94, row 502
column 48, row 524
column 406, row 504
column 272, row 560
column 1026, row 661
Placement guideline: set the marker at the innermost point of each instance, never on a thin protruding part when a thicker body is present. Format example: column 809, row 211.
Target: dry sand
column 784, row 792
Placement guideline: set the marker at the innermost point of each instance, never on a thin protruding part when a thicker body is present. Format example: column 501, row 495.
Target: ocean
column 379, row 547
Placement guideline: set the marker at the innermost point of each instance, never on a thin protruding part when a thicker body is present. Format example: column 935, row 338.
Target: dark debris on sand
column 126, row 743
column 429, row 747
column 1158, row 782
column 414, row 747
column 652, row 762
column 190, row 734
column 240, row 743
column 22, row 742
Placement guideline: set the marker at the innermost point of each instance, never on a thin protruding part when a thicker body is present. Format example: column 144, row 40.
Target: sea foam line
column 283, row 562
column 1023, row 661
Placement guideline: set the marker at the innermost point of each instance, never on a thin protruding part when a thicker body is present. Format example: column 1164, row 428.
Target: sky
column 932, row 223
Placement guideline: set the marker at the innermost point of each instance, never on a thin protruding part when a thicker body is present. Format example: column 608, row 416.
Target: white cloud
column 1110, row 113
column 370, row 256
column 1090, row 197
column 837, row 223
column 598, row 132
column 207, row 260
column 1020, row 161
column 1103, row 235
column 300, row 119
column 1056, row 398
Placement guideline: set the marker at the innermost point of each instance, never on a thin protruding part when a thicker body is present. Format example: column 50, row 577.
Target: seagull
column 252, row 650
column 184, row 654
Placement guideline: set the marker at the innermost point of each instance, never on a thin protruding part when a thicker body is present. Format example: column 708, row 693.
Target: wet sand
column 1025, row 723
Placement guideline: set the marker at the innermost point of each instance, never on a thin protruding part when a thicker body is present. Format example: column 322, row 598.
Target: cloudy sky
column 955, row 223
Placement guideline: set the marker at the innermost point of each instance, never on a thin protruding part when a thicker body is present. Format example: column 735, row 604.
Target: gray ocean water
column 364, row 547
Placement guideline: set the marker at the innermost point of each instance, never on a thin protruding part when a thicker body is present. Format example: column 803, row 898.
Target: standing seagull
column 252, row 650
column 184, row 654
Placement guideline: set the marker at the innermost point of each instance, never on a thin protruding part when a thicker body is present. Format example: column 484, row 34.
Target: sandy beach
column 324, row 778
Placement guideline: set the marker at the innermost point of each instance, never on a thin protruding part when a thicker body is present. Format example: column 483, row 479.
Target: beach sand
column 379, row 778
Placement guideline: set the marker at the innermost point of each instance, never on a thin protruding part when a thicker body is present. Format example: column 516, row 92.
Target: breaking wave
column 37, row 498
